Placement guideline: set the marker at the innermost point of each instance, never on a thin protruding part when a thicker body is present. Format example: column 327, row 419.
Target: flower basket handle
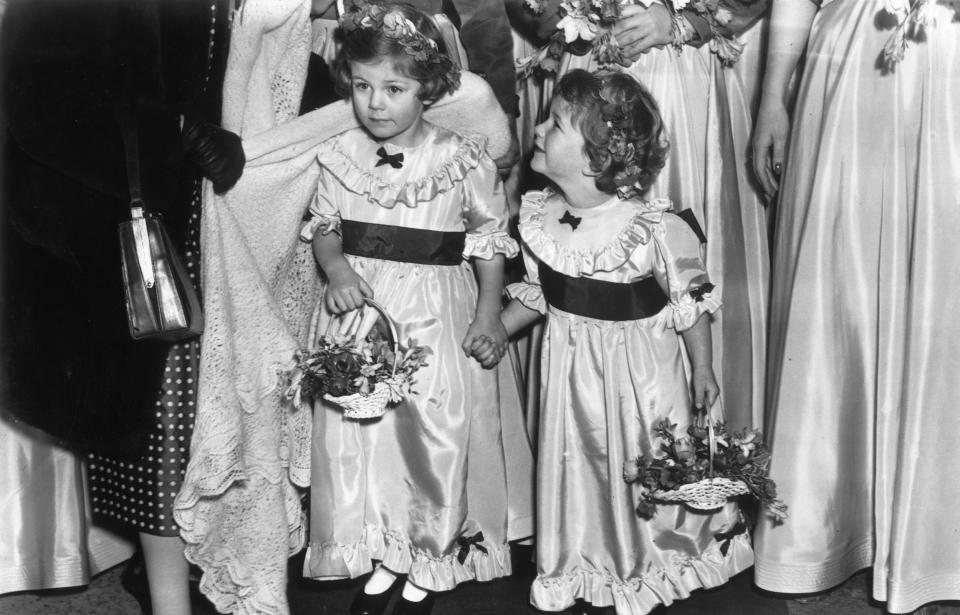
column 711, row 439
column 394, row 335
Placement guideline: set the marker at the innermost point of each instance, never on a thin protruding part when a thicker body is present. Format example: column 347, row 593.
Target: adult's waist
column 403, row 244
column 601, row 299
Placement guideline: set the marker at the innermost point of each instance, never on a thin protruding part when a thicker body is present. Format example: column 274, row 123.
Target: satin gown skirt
column 404, row 488
column 46, row 538
column 702, row 174
column 610, row 384
column 865, row 423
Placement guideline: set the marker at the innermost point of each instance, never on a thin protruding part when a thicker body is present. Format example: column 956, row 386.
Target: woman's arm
column 790, row 24
column 700, row 348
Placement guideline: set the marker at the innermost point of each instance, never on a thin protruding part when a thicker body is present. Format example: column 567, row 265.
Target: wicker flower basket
column 709, row 493
column 371, row 405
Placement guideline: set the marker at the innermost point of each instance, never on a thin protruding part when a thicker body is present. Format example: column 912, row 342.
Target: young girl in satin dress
column 415, row 217
column 621, row 281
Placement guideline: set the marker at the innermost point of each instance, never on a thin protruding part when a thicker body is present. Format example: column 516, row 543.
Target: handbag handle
column 131, row 147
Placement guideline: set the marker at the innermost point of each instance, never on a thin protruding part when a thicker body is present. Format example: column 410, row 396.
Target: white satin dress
column 864, row 417
column 702, row 174
column 605, row 385
column 435, row 488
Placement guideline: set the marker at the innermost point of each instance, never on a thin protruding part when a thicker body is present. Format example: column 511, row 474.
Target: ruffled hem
column 640, row 595
column 687, row 310
column 326, row 224
column 385, row 194
column 399, row 555
column 530, row 295
column 487, row 246
column 573, row 262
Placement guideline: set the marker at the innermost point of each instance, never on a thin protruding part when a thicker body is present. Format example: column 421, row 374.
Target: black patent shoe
column 373, row 604
column 423, row 607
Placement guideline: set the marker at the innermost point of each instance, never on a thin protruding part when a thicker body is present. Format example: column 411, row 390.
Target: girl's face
column 385, row 102
column 558, row 147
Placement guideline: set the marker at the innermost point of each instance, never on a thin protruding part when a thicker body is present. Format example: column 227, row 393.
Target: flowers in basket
column 363, row 376
column 586, row 25
column 703, row 470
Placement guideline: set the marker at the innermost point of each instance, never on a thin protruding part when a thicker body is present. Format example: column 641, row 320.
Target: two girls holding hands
column 400, row 207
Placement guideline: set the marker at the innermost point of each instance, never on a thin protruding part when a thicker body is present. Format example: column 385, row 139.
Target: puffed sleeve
column 485, row 213
column 528, row 292
column 324, row 214
column 679, row 268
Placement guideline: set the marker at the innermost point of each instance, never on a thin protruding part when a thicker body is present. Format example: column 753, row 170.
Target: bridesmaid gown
column 47, row 540
column 865, row 431
column 701, row 174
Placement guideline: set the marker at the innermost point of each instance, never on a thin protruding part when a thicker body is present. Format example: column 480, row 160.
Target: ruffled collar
column 342, row 154
column 594, row 245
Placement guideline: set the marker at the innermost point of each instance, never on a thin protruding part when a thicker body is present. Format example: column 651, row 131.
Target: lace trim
column 385, row 194
column 574, row 262
column 487, row 246
column 687, row 310
column 326, row 224
column 400, row 555
column 530, row 295
column 639, row 595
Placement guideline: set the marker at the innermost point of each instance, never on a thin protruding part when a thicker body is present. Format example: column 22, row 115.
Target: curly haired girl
column 415, row 217
column 620, row 280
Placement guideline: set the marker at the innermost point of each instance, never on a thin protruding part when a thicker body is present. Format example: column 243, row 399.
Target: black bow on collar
column 570, row 219
column 394, row 160
column 465, row 542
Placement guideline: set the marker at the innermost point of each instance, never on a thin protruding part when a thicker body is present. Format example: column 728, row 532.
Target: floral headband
column 392, row 24
column 619, row 121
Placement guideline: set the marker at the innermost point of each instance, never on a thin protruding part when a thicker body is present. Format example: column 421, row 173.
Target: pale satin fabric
column 404, row 488
column 864, row 340
column 47, row 540
column 606, row 384
column 701, row 174
column 738, row 101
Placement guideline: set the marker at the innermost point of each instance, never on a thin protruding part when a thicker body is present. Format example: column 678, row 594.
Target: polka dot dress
column 139, row 494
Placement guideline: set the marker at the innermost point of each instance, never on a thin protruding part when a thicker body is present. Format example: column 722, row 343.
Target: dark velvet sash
column 601, row 299
column 400, row 243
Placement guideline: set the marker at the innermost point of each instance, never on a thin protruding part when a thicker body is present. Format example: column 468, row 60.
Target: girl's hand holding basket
column 705, row 469
column 360, row 370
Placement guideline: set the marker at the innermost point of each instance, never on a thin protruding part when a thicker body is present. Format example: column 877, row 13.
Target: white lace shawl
column 240, row 509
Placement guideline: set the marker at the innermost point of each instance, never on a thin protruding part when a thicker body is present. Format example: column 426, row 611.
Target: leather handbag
column 162, row 303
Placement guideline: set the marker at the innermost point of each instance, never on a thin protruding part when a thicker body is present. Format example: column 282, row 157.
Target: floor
column 105, row 596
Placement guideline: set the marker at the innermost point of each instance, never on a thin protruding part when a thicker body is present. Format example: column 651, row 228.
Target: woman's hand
column 486, row 340
column 769, row 144
column 639, row 29
column 705, row 389
column 346, row 290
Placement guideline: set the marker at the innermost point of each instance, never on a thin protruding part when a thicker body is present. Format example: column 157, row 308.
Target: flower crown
column 618, row 118
column 394, row 25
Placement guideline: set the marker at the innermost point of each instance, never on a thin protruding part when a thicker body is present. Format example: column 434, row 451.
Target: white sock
column 413, row 593
column 380, row 581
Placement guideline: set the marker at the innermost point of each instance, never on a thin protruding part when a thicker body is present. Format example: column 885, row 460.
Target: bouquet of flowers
column 909, row 20
column 362, row 376
column 705, row 469
column 587, row 24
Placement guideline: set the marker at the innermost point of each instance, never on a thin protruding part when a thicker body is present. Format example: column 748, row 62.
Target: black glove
column 218, row 152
